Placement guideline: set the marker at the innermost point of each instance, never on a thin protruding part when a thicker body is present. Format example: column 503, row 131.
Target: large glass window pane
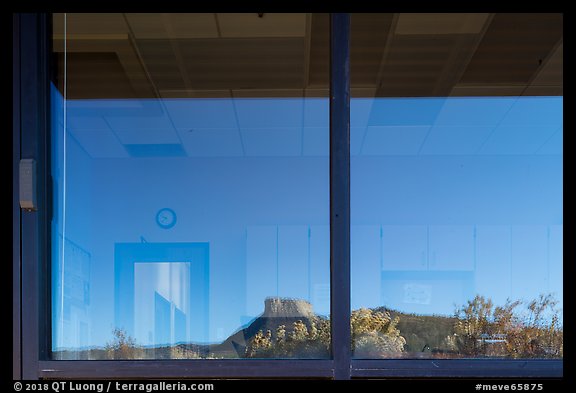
column 456, row 183
column 191, row 202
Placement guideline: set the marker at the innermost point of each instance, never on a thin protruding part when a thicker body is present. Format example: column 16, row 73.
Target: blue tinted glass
column 456, row 149
column 191, row 220
column 457, row 227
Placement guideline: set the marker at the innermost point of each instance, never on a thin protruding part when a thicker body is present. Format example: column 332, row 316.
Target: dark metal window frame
column 31, row 249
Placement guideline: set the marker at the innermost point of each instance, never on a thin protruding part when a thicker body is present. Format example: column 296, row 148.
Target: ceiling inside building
column 286, row 55
column 145, row 85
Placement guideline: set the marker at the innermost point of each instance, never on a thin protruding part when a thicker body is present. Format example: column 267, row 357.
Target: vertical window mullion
column 340, row 193
column 34, row 115
column 16, row 218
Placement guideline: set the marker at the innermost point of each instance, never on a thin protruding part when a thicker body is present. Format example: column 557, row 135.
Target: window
column 456, row 197
column 190, row 156
column 288, row 195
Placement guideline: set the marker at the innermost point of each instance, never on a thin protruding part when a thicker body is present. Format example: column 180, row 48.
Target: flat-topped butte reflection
column 289, row 329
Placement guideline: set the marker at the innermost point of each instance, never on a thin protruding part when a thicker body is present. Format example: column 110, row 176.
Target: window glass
column 456, row 185
column 191, row 186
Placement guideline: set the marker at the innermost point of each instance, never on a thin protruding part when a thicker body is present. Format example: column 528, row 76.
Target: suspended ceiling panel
column 514, row 48
column 551, row 73
column 212, row 142
column 250, row 25
column 414, row 65
column 392, row 55
column 319, row 51
column 368, row 47
column 175, row 26
column 89, row 24
column 436, row 23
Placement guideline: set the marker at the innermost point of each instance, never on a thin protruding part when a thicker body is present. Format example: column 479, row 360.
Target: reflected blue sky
column 450, row 197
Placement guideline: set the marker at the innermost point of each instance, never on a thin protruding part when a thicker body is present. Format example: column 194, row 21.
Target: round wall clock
column 166, row 218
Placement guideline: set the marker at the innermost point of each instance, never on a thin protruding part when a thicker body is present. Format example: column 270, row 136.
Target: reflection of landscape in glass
column 289, row 328
column 457, row 204
column 441, row 212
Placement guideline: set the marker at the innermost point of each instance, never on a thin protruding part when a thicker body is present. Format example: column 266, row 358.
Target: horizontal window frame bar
column 290, row 368
column 458, row 368
column 187, row 368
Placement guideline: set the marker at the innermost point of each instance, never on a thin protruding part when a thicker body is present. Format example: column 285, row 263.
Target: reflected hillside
column 289, row 328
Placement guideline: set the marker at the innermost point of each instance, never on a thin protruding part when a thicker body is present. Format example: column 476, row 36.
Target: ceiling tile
column 99, row 143
column 486, row 90
column 193, row 93
column 438, row 23
column 463, row 140
column 97, row 75
column 394, row 140
column 172, row 25
column 360, row 111
column 146, row 136
column 140, row 121
column 417, row 66
column 201, row 113
column 162, row 64
column 552, row 71
column 517, row 139
column 90, row 23
column 316, row 112
column 474, row 111
column 316, row 141
column 533, row 111
column 554, row 145
column 155, row 150
column 405, row 111
column 272, row 112
column 357, row 135
column 368, row 37
column 319, row 54
column 513, row 47
column 211, row 142
column 275, row 142
column 87, row 123
column 249, row 63
column 269, row 25
column 147, row 25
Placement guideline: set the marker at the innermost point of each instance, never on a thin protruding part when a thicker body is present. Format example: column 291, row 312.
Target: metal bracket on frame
column 27, row 187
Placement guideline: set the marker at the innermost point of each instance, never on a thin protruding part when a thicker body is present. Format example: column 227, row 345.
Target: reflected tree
column 123, row 346
column 479, row 328
column 375, row 334
column 300, row 341
column 509, row 331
